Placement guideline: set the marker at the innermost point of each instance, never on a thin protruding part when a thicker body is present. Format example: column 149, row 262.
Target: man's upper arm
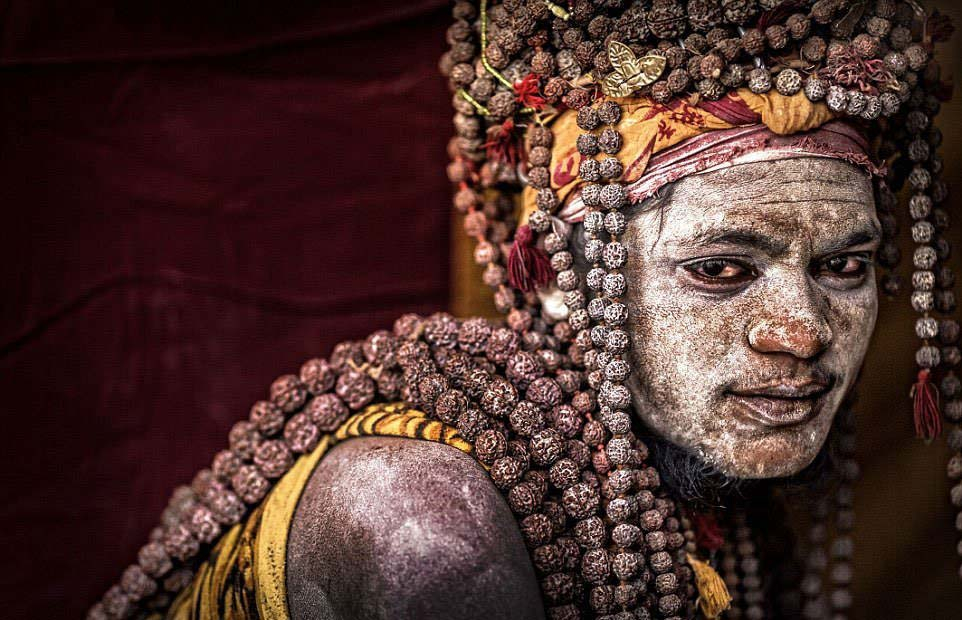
column 402, row 528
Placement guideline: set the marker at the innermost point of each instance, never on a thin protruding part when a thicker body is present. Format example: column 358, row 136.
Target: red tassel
column 502, row 144
column 925, row 407
column 528, row 266
column 529, row 93
column 708, row 534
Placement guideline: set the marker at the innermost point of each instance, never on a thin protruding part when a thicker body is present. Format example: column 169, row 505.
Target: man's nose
column 801, row 334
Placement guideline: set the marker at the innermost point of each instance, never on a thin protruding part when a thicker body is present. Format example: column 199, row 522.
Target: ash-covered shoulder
column 402, row 528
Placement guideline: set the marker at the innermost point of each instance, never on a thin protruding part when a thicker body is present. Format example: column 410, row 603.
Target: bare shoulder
column 401, row 528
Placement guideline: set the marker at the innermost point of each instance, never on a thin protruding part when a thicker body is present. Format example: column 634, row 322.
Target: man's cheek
column 705, row 336
column 682, row 370
column 853, row 323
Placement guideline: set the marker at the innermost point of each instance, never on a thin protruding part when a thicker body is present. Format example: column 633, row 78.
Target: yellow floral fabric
column 648, row 127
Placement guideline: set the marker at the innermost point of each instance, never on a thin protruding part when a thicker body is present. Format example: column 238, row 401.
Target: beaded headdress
column 542, row 399
column 530, row 61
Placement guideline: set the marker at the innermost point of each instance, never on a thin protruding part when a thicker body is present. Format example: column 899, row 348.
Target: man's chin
column 775, row 455
column 715, row 478
column 758, row 450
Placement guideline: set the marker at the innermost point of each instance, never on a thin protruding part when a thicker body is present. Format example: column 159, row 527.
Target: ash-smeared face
column 752, row 300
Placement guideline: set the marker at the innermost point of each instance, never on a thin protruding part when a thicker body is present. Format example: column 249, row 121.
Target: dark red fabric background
column 195, row 199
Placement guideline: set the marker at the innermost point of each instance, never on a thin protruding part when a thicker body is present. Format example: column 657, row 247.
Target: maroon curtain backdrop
column 196, row 199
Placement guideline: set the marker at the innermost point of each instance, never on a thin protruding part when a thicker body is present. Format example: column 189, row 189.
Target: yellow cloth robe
column 244, row 577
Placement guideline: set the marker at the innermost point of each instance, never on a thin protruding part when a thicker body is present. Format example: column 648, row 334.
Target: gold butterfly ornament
column 630, row 72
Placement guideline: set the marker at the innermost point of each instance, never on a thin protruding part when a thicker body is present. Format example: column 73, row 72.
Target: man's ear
column 552, row 298
column 553, row 302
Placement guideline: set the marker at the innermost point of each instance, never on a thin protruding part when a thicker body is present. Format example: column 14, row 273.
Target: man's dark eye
column 846, row 266
column 718, row 269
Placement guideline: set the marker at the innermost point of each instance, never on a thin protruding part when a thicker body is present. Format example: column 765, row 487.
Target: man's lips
column 780, row 404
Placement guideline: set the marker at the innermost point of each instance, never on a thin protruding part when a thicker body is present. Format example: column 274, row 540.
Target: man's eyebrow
column 748, row 238
column 758, row 241
column 859, row 237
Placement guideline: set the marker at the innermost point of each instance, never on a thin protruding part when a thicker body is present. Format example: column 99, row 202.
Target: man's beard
column 691, row 479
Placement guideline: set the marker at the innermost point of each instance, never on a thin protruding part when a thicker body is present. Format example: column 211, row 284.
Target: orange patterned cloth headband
column 664, row 142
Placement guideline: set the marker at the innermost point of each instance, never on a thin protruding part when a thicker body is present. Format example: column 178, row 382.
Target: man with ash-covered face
column 752, row 300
